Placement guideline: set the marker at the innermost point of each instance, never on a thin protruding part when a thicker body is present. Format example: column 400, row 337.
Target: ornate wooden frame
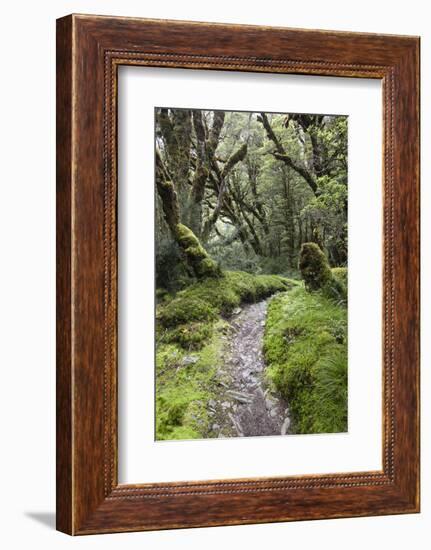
column 89, row 51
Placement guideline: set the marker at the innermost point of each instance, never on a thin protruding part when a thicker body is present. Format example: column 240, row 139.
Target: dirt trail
column 244, row 406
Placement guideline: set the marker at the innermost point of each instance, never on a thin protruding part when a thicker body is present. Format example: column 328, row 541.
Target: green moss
column 314, row 267
column 183, row 432
column 207, row 267
column 185, row 309
column 196, row 256
column 184, row 387
column 205, row 299
column 305, row 347
column 190, row 336
column 186, row 237
column 317, row 274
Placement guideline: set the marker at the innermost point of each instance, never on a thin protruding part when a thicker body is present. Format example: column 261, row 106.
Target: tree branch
column 281, row 154
column 298, row 169
column 236, row 157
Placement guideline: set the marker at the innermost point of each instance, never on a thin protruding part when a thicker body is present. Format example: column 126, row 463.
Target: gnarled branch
column 280, row 154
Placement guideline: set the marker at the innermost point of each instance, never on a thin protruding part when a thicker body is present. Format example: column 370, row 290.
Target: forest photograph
column 251, row 254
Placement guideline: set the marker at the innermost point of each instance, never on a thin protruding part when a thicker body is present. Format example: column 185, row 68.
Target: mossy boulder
column 195, row 254
column 318, row 275
column 314, row 267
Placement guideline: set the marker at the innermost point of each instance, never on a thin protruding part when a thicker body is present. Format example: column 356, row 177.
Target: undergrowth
column 305, row 347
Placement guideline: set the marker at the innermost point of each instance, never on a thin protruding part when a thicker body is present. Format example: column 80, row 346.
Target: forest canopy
column 244, row 191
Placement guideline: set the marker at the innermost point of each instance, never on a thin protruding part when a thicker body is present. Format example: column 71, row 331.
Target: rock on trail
column 244, row 406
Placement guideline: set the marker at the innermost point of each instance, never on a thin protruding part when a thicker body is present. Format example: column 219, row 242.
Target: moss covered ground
column 185, row 382
column 305, row 348
column 190, row 334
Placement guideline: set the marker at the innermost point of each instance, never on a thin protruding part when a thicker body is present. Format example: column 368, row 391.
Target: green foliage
column 232, row 256
column 330, row 393
column 305, row 346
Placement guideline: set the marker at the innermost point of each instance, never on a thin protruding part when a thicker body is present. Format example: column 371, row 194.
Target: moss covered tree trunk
column 193, row 253
column 176, row 129
column 207, row 141
column 317, row 274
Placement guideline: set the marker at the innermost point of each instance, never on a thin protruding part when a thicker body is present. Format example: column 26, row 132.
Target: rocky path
column 244, row 406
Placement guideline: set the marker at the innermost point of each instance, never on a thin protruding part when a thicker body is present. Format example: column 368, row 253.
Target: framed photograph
column 237, row 274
